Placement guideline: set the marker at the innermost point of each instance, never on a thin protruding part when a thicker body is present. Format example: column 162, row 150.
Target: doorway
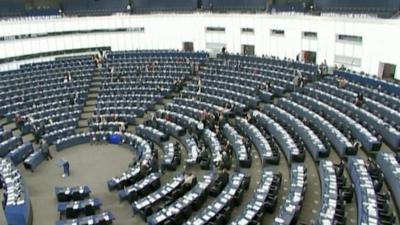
column 188, row 46
column 247, row 49
column 387, row 70
column 214, row 48
column 309, row 56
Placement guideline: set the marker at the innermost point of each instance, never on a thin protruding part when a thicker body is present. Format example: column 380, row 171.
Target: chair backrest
column 76, row 196
column 89, row 210
column 103, row 222
column 70, row 213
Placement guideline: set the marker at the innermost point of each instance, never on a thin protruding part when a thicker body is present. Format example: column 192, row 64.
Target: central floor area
column 90, row 165
column 94, row 165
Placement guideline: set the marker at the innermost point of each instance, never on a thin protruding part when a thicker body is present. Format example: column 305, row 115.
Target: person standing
column 19, row 121
column 296, row 81
column 36, row 134
column 122, row 127
column 76, row 98
column 69, row 77
column 66, row 169
column 356, row 145
column 189, row 180
column 199, row 84
column 45, row 149
column 71, row 99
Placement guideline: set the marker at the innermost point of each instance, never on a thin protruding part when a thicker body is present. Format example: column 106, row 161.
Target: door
column 188, row 46
column 247, row 49
column 387, row 70
column 309, row 56
column 214, row 48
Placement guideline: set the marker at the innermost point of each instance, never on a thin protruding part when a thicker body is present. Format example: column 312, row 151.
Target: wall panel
column 380, row 37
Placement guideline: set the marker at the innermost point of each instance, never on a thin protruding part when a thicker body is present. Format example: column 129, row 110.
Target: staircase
column 90, row 103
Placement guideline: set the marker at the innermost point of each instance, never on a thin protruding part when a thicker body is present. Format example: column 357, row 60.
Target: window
column 347, row 61
column 310, row 35
column 349, row 38
column 71, row 32
column 276, row 32
column 247, row 30
column 215, row 29
column 136, row 29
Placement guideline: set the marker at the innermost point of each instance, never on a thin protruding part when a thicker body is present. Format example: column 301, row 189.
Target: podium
column 65, row 165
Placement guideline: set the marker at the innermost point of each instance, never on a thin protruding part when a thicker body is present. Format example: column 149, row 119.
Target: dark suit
column 223, row 177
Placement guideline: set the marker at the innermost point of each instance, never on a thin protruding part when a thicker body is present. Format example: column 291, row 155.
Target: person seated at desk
column 45, row 149
column 372, row 167
column 76, row 97
column 203, row 154
column 177, row 147
column 19, row 120
column 199, row 84
column 220, row 182
column 268, row 86
column 339, row 168
column 359, row 100
column 356, row 145
column 210, row 120
column 247, row 144
column 103, row 119
column 72, row 99
column 218, row 132
column 95, row 118
column 223, row 177
column 144, row 167
column 216, row 158
column 397, row 157
column 248, row 117
column 305, row 121
column 116, row 117
column 260, row 87
column 216, row 116
column 342, row 82
column 65, row 79
column 199, row 127
column 229, row 110
column 226, row 161
column 122, row 128
column 189, row 180
column 111, row 118
column 168, row 118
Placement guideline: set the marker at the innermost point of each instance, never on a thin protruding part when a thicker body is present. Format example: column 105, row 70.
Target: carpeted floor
column 90, row 165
